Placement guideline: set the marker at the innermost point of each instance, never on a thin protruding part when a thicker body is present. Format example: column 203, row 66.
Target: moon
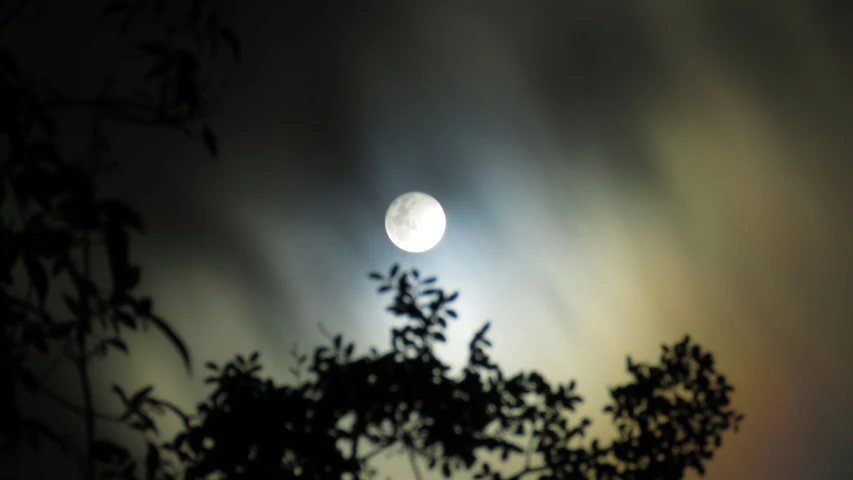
column 415, row 222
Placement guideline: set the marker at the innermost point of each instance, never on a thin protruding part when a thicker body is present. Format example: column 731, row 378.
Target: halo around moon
column 415, row 222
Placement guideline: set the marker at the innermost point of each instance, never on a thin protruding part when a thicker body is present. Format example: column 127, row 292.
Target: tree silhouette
column 343, row 409
column 55, row 224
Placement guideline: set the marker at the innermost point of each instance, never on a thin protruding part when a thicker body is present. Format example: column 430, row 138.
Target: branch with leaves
column 406, row 400
column 52, row 309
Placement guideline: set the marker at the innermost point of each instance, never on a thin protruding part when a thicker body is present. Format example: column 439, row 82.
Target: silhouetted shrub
column 344, row 409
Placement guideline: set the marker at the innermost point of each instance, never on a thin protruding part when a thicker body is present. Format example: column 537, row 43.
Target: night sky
column 613, row 177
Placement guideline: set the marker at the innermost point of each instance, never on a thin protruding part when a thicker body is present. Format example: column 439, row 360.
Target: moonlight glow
column 415, row 222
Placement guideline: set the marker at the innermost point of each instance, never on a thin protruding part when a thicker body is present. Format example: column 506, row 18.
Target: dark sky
column 613, row 177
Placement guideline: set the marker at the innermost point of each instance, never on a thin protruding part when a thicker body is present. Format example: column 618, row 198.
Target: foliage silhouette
column 343, row 409
column 55, row 224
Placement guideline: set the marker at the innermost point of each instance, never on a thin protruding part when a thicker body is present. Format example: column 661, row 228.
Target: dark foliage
column 344, row 408
column 54, row 223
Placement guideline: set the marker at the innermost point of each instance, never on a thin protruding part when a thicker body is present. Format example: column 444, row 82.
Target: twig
column 528, row 456
column 82, row 367
column 375, row 452
column 529, row 453
column 414, row 463
column 13, row 14
column 122, row 109
column 73, row 407
column 355, row 436
column 323, row 330
column 56, row 361
column 528, row 471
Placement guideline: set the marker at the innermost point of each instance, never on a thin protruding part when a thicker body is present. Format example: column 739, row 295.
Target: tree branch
column 56, row 361
column 529, row 453
column 528, row 471
column 355, row 436
column 375, row 452
column 414, row 463
column 73, row 407
column 5, row 21
column 83, row 370
column 127, row 110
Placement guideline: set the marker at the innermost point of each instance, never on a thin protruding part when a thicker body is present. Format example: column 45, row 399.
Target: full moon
column 415, row 222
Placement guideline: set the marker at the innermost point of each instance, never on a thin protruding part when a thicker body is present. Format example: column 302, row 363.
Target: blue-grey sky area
column 614, row 176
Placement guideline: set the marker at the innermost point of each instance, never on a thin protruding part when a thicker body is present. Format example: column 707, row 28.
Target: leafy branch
column 405, row 400
column 62, row 225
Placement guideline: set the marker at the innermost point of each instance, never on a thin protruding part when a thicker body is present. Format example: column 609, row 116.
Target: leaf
column 451, row 313
column 126, row 23
column 124, row 276
column 117, row 343
column 145, row 307
column 114, row 7
column 186, row 87
column 153, row 48
column 194, row 12
column 140, row 395
column 108, row 86
column 120, row 392
column 484, row 329
column 152, row 462
column 375, row 276
column 212, row 25
column 120, row 213
column 210, row 140
column 439, row 336
column 174, row 338
column 452, row 297
column 48, row 126
column 60, row 265
column 14, row 130
column 34, row 335
column 394, row 269
column 62, row 330
column 233, row 42
column 38, row 276
column 164, row 65
column 125, row 319
column 47, row 432
column 159, row 9
column 109, row 452
column 28, row 380
column 8, row 62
